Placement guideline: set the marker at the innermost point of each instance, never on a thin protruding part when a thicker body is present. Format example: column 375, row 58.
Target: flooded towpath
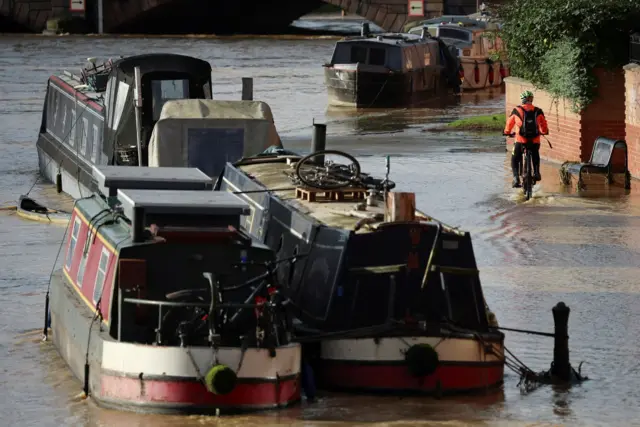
column 581, row 249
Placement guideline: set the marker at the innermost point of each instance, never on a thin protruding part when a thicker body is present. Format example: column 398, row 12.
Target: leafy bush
column 556, row 44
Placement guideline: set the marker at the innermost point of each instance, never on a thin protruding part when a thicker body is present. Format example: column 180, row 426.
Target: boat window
column 166, row 90
column 211, row 148
column 95, row 142
column 454, row 33
column 54, row 108
column 461, row 298
column 72, row 130
column 358, row 54
column 121, row 99
column 83, row 264
column 84, row 136
column 101, row 275
column 376, row 56
column 72, row 242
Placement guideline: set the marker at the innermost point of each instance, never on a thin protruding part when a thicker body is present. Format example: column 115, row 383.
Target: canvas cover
column 207, row 133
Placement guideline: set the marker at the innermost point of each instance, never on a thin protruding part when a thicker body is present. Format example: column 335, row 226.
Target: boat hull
column 367, row 89
column 159, row 379
column 484, row 78
column 372, row 365
column 77, row 179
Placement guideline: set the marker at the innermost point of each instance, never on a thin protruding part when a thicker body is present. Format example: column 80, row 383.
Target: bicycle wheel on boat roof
column 315, row 171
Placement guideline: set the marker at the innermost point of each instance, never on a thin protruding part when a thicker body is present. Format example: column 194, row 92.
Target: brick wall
column 632, row 116
column 572, row 134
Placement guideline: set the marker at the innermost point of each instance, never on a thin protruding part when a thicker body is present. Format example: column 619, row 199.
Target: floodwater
column 560, row 246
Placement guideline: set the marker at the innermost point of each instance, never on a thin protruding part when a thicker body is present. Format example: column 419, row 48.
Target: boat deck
column 334, row 213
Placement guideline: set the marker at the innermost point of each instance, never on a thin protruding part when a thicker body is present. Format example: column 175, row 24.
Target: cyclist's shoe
column 516, row 182
column 537, row 176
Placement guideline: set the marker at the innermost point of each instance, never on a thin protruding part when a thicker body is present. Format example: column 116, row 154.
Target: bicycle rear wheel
column 527, row 179
column 328, row 175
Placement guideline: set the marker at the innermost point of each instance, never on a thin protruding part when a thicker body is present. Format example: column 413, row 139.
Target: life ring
column 422, row 360
column 220, row 379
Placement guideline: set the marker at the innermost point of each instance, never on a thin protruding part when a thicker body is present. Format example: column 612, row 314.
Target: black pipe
column 319, row 141
column 86, row 379
column 45, row 330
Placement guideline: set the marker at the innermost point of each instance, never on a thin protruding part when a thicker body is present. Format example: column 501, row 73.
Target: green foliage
column 556, row 44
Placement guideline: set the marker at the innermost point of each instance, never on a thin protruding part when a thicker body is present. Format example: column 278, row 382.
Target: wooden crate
column 315, row 195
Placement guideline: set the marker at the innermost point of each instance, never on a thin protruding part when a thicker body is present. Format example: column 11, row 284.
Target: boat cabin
column 162, row 77
column 91, row 115
column 158, row 235
column 389, row 51
column 208, row 133
column 472, row 38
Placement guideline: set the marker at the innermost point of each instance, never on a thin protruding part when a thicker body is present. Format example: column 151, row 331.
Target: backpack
column 529, row 128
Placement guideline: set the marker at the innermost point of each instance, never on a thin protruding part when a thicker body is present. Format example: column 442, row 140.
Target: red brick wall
column 572, row 135
column 632, row 116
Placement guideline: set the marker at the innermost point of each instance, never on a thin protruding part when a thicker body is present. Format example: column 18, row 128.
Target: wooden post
column 561, row 367
column 400, row 207
column 247, row 89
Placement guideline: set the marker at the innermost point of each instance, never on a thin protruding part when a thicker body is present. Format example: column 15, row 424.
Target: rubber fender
column 220, row 379
column 422, row 360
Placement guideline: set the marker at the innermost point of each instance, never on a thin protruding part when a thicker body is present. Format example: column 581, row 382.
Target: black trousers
column 516, row 157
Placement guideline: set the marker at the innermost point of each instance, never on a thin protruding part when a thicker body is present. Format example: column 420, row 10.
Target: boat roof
column 110, row 179
column 390, row 39
column 215, row 109
column 126, row 66
column 269, row 172
column 175, row 202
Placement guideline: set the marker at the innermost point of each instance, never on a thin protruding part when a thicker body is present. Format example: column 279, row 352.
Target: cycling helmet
column 526, row 94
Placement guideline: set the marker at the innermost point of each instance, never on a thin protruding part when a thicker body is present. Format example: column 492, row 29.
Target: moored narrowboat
column 411, row 319
column 389, row 70
column 478, row 46
column 105, row 114
column 164, row 305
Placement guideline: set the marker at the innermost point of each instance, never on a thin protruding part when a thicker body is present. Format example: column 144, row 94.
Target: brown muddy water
column 581, row 249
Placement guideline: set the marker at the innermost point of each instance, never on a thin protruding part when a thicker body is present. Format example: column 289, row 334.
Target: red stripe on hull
column 453, row 378
column 182, row 394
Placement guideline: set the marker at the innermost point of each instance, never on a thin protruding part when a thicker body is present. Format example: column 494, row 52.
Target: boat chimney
column 364, row 31
column 319, row 140
column 425, row 33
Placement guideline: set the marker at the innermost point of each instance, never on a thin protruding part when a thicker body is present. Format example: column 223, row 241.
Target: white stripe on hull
column 393, row 349
column 128, row 358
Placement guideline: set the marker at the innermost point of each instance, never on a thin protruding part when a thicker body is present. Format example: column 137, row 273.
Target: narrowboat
column 411, row 319
column 164, row 305
column 105, row 114
column 478, row 46
column 389, row 70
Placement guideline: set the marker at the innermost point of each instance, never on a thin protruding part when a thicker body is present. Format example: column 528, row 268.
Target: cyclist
column 531, row 123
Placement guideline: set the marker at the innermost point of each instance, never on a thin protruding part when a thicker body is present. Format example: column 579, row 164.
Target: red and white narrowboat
column 162, row 305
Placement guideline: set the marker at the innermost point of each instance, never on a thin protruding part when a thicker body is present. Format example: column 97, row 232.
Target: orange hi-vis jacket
column 515, row 119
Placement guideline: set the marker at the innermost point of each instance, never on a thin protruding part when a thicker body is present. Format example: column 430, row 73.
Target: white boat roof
column 112, row 178
column 171, row 202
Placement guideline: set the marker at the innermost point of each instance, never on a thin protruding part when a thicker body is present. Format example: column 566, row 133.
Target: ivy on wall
column 556, row 44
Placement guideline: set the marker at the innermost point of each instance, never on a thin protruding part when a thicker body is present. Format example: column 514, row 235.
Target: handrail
column 191, row 304
column 161, row 304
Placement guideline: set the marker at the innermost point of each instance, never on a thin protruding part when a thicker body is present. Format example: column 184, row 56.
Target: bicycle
column 316, row 172
column 526, row 169
column 197, row 324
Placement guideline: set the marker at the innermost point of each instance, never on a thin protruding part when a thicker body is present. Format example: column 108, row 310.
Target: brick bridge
column 204, row 16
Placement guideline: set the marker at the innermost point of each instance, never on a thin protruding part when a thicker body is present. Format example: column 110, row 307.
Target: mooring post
column 247, row 89
column 561, row 368
column 319, row 140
